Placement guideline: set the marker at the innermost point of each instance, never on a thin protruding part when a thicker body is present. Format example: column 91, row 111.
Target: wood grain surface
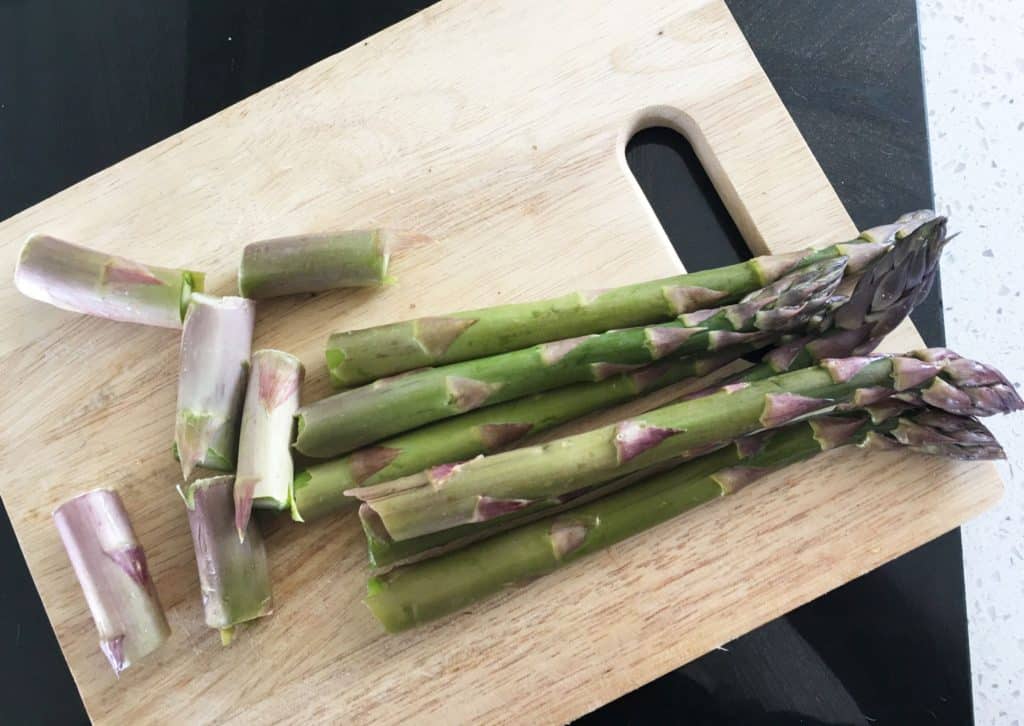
column 498, row 129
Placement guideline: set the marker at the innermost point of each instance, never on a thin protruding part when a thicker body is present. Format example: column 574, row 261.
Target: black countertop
column 82, row 85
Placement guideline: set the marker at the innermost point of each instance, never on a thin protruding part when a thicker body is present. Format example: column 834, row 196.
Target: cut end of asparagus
column 87, row 281
column 264, row 474
column 233, row 574
column 214, row 363
column 318, row 262
column 111, row 568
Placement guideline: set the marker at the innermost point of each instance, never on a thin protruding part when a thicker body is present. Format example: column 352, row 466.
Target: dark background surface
column 84, row 84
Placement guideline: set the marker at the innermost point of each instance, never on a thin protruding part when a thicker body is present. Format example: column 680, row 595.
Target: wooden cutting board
column 498, row 128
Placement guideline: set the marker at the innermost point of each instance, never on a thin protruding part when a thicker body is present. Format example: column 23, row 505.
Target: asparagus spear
column 111, row 568
column 359, row 356
column 492, row 486
column 385, row 553
column 215, row 346
column 417, row 593
column 315, row 262
column 320, row 489
column 233, row 574
column 361, row 416
column 888, row 290
column 82, row 280
column 264, row 474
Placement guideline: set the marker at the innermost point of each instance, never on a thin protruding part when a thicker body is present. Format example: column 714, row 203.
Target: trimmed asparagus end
column 233, row 575
column 265, row 471
column 215, row 346
column 111, row 568
column 318, row 262
column 76, row 278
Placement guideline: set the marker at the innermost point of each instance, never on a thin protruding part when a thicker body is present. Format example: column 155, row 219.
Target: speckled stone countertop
column 974, row 82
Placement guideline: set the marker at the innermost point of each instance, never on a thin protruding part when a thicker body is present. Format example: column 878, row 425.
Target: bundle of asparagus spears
column 435, row 435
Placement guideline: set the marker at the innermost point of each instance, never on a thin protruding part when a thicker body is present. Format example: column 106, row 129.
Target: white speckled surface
column 974, row 80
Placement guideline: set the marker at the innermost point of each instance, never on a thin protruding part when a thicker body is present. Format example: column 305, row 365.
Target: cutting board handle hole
column 684, row 199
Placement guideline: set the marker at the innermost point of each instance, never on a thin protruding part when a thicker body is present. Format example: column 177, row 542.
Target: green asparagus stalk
column 215, row 347
column 111, row 567
column 361, row 416
column 316, row 262
column 82, row 280
column 320, row 489
column 385, row 553
column 492, row 486
column 264, row 475
column 417, row 593
column 883, row 296
column 233, row 575
column 359, row 356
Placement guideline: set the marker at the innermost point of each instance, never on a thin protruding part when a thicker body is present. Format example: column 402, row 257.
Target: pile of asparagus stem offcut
column 434, row 435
